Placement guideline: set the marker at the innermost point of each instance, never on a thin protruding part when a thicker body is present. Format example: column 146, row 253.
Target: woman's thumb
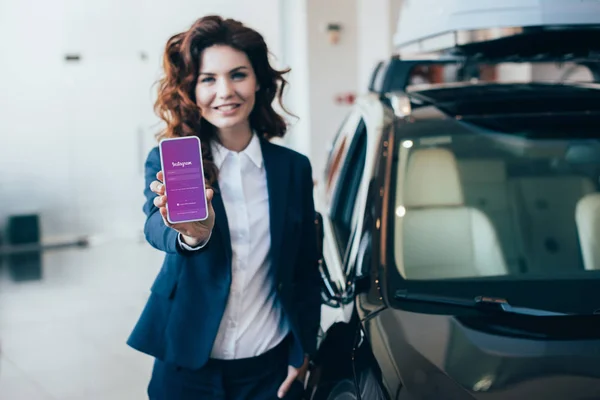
column 285, row 386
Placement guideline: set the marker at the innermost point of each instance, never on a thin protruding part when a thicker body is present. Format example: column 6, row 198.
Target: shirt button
column 280, row 287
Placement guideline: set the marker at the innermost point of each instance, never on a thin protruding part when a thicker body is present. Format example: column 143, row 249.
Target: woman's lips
column 227, row 109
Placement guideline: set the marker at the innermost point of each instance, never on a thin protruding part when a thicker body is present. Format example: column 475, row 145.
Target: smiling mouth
column 227, row 107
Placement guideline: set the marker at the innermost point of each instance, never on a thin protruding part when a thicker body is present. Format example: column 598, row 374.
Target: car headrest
column 432, row 179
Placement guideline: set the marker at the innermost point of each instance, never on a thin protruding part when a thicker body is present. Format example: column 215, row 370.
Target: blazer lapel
column 277, row 170
column 221, row 223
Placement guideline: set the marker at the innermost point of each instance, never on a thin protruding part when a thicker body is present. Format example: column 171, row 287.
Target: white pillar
column 322, row 70
column 376, row 27
column 295, row 54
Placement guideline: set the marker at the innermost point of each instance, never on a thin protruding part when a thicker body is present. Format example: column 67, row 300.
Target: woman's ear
column 257, row 87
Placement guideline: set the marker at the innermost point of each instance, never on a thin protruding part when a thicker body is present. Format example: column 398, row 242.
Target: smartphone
column 181, row 163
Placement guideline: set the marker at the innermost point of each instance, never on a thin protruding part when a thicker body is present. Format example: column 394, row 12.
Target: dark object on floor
column 23, row 231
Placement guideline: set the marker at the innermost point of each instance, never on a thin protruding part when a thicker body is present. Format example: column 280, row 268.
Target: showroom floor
column 64, row 323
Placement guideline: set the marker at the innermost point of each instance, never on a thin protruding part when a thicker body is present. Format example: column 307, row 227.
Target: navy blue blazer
column 180, row 320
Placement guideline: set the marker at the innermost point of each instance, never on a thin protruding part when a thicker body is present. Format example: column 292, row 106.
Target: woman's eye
column 238, row 75
column 207, row 79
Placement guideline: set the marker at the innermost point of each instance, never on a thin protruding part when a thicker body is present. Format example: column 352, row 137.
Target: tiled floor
column 62, row 336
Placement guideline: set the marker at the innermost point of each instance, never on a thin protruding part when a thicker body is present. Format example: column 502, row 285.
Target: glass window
column 347, row 188
column 507, row 196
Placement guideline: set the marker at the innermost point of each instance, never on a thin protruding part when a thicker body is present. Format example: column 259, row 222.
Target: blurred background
column 77, row 123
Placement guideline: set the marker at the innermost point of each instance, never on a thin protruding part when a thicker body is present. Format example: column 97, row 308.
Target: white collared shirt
column 254, row 321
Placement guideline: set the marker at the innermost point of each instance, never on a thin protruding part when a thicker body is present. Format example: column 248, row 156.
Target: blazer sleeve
column 307, row 297
column 159, row 235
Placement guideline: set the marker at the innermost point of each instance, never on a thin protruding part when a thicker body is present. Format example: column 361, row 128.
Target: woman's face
column 226, row 87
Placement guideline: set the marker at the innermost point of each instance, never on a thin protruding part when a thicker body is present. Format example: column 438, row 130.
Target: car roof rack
column 471, row 32
column 394, row 74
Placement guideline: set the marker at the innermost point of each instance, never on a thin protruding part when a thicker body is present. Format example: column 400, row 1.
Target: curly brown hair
column 176, row 102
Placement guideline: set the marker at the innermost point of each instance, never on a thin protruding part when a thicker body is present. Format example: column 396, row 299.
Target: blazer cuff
column 186, row 246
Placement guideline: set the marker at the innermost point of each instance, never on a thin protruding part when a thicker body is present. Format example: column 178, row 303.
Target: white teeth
column 228, row 107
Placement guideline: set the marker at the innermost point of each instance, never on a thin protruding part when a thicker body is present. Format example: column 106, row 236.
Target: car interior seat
column 442, row 237
column 587, row 217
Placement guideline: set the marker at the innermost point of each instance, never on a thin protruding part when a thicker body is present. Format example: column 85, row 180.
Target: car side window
column 334, row 151
column 351, row 172
column 338, row 154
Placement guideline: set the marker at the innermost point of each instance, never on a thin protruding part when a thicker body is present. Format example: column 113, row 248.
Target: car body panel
column 423, row 354
column 436, row 354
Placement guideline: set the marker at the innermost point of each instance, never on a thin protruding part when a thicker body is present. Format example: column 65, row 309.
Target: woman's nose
column 224, row 89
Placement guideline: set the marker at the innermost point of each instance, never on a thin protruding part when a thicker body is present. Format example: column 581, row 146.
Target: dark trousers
column 256, row 378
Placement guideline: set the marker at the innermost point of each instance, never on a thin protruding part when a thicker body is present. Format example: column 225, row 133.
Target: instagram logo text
column 181, row 163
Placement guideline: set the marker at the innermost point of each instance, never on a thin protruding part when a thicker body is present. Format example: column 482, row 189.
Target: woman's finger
column 160, row 176
column 163, row 212
column 157, row 187
column 160, row 201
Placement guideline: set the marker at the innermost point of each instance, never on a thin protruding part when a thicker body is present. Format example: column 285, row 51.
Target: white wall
column 510, row 72
column 295, row 55
column 74, row 135
column 377, row 22
column 544, row 72
column 567, row 71
column 366, row 38
column 332, row 70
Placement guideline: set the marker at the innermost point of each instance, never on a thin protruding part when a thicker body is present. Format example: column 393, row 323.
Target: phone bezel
column 162, row 168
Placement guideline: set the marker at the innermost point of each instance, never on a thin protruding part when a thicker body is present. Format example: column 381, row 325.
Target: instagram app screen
column 184, row 179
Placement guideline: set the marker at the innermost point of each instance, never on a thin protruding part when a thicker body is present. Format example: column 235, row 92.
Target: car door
column 360, row 275
column 335, row 203
column 345, row 191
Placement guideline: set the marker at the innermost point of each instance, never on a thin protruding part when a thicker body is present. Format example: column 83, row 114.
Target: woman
column 235, row 309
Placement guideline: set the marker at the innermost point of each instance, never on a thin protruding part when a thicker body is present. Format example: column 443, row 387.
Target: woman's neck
column 235, row 139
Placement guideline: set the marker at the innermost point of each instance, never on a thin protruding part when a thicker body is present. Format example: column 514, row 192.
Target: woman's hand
column 293, row 374
column 193, row 233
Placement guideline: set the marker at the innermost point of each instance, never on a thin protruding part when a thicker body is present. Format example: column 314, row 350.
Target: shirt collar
column 253, row 151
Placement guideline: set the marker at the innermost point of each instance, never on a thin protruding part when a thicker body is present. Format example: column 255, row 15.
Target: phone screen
column 181, row 160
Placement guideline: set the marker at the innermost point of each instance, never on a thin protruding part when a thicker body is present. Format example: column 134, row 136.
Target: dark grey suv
column 460, row 220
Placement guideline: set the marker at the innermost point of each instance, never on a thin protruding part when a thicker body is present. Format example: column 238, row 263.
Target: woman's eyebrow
column 233, row 70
